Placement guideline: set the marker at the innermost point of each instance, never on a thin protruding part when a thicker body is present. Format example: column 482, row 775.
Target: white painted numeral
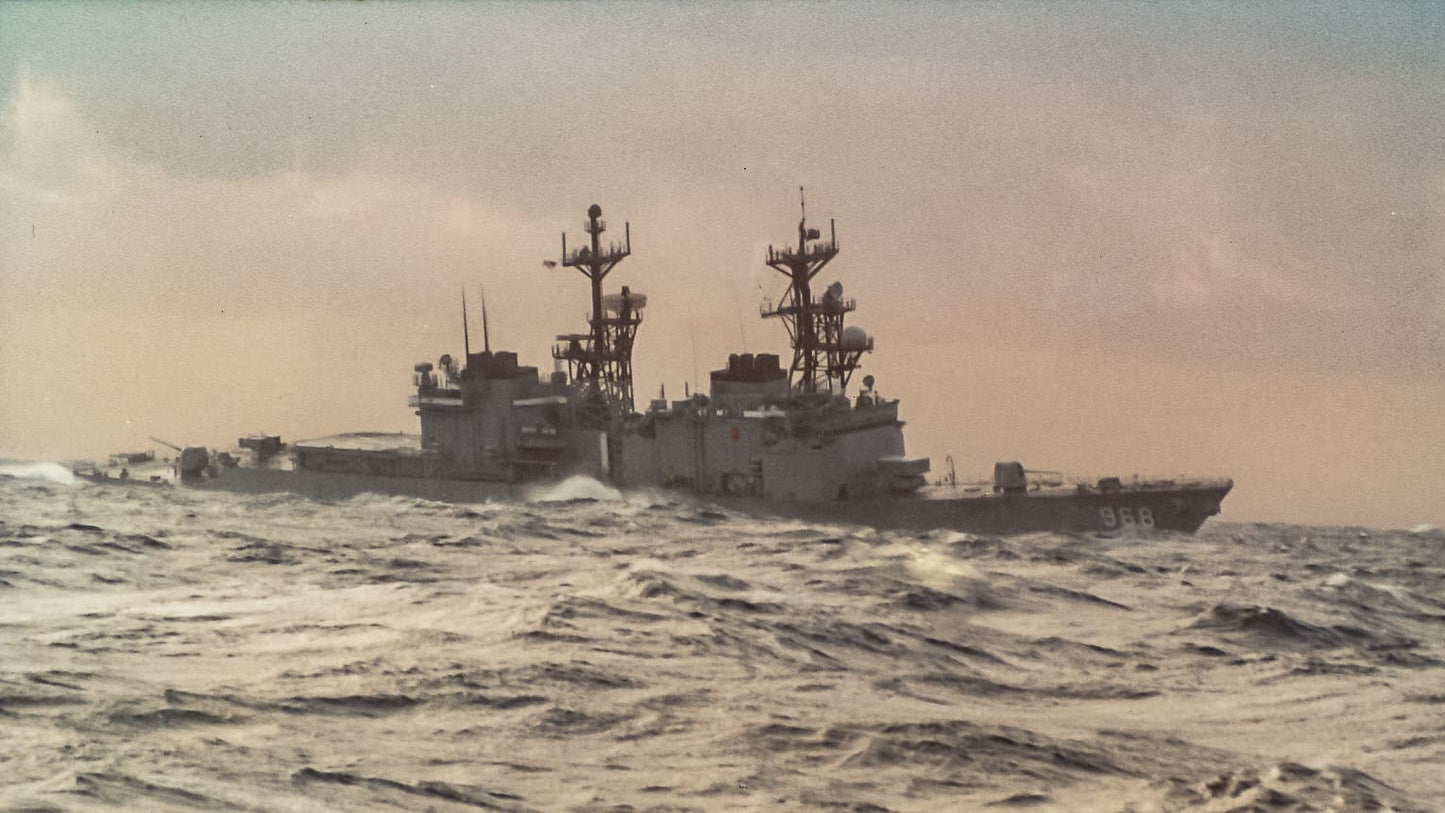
column 1127, row 517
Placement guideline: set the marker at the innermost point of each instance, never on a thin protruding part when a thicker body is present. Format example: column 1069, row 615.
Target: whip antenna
column 466, row 337
column 486, row 336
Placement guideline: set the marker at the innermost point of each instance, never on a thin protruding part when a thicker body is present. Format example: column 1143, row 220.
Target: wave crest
column 48, row 472
column 576, row 488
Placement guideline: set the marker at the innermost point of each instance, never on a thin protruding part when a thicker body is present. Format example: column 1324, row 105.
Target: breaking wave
column 577, row 488
column 48, row 472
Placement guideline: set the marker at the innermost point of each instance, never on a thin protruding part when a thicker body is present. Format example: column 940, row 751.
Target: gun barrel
column 165, row 443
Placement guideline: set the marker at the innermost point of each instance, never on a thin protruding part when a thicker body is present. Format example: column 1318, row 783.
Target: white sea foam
column 50, row 472
column 577, row 487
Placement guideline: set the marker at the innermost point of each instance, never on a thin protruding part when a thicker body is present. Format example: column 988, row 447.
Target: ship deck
column 984, row 490
column 388, row 442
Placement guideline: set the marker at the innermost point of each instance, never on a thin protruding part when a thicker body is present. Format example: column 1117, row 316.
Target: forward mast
column 601, row 359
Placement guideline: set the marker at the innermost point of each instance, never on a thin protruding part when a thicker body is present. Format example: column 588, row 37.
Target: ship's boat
column 776, row 435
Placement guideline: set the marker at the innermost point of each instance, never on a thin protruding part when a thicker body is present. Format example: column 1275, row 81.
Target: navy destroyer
column 784, row 438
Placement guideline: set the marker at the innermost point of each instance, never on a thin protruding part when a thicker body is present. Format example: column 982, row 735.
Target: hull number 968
column 1142, row 516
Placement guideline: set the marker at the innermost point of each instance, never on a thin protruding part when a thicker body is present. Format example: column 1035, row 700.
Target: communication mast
column 601, row 359
column 825, row 352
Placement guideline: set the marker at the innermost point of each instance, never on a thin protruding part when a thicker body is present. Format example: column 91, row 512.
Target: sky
column 1101, row 238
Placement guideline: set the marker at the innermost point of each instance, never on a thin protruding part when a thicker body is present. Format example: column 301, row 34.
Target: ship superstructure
column 782, row 435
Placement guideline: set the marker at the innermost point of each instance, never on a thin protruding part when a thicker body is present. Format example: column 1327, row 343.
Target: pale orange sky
column 1101, row 239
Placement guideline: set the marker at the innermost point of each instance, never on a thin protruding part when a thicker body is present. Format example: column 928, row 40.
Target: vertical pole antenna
column 466, row 337
column 486, row 334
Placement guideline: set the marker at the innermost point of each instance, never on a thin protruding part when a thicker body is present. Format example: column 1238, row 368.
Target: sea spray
column 577, row 487
column 48, row 472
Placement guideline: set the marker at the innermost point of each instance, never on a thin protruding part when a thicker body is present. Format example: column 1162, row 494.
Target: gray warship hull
column 1173, row 507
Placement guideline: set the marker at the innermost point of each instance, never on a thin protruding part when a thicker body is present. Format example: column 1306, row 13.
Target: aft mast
column 601, row 359
column 825, row 353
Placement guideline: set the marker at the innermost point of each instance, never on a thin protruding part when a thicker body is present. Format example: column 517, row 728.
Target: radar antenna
column 825, row 353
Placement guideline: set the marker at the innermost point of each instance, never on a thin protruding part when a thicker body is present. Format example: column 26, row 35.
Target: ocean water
column 593, row 650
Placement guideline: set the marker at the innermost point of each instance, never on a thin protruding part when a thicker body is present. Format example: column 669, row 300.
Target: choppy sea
column 169, row 649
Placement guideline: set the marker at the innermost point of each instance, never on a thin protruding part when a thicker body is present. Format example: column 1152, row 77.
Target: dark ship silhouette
column 778, row 439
